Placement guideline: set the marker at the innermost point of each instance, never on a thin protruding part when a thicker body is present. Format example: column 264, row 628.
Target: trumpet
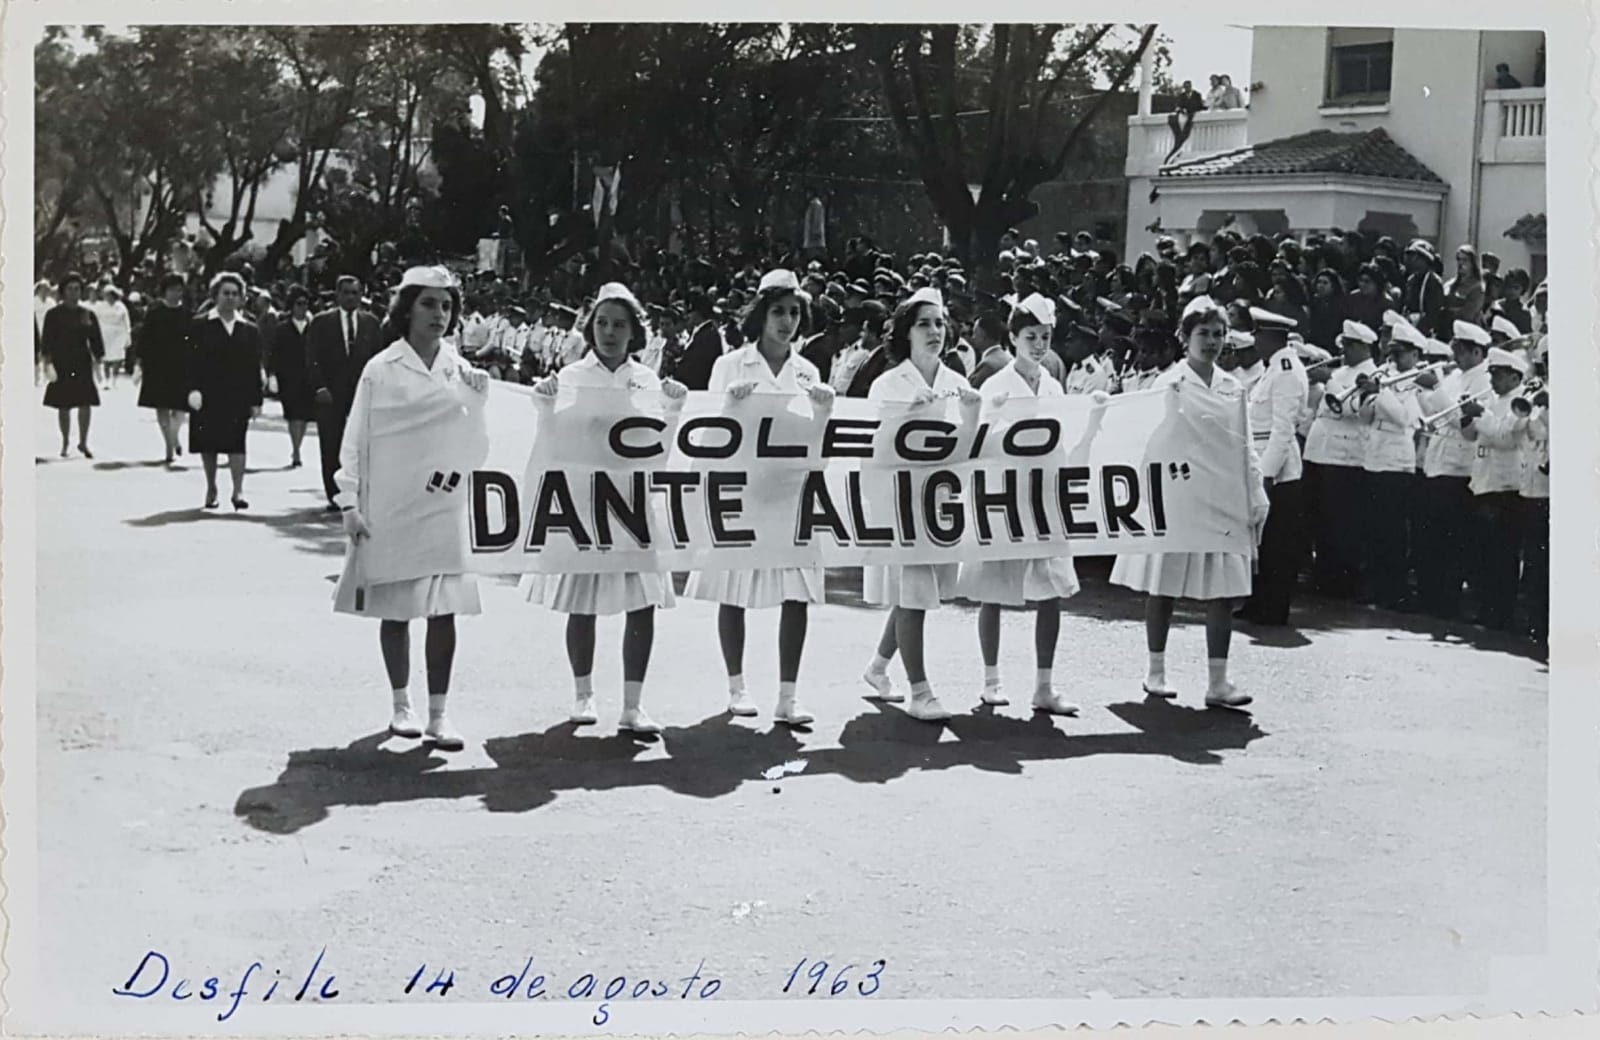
column 1404, row 377
column 1431, row 423
column 1534, row 395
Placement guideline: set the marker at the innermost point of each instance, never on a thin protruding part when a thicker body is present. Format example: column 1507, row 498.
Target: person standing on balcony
column 1504, row 80
column 1181, row 120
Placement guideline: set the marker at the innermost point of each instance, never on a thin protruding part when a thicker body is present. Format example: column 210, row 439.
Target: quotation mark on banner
column 439, row 482
column 1174, row 471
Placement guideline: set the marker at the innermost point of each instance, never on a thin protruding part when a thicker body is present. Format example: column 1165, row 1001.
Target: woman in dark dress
column 1327, row 309
column 287, row 365
column 72, row 346
column 164, row 351
column 225, row 385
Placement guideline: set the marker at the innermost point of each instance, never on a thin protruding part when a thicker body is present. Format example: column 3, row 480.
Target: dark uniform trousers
column 1391, row 545
column 1536, row 565
column 1445, row 533
column 1281, row 552
column 1499, row 556
column 1339, row 513
column 330, row 434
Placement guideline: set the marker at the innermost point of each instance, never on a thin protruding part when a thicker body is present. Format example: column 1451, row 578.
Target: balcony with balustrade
column 1513, row 126
column 1150, row 139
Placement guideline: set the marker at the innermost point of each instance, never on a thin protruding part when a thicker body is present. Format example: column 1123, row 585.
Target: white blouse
column 746, row 365
column 1009, row 381
column 903, row 382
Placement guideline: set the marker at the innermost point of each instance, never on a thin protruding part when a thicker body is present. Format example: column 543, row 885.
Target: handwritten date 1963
column 865, row 985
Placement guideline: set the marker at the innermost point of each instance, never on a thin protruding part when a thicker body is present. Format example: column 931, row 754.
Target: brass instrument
column 1534, row 395
column 1431, row 423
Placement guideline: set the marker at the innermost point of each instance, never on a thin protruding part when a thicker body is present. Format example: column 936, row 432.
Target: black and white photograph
column 635, row 526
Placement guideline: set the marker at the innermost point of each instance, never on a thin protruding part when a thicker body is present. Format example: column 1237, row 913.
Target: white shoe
column 994, row 695
column 882, row 688
column 1048, row 700
column 925, row 707
column 405, row 724
column 444, row 736
column 583, row 713
column 739, row 704
column 791, row 713
column 636, row 721
column 1226, row 696
column 1160, row 689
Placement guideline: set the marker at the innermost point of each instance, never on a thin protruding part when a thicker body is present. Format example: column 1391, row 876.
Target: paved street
column 213, row 784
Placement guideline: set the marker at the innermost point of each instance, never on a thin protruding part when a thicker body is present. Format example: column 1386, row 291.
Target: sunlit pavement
column 214, row 783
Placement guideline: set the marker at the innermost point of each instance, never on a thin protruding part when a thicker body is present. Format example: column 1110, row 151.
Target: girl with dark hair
column 164, row 349
column 1326, row 313
column 1286, row 295
column 224, row 386
column 1042, row 582
column 1370, row 300
column 286, row 365
column 614, row 323
column 1215, row 578
column 917, row 377
column 770, row 364
column 72, row 345
column 418, row 379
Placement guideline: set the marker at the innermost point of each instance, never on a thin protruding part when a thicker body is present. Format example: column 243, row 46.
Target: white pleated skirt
column 1210, row 575
column 757, row 589
column 599, row 594
column 1016, row 583
column 434, row 596
column 916, row 586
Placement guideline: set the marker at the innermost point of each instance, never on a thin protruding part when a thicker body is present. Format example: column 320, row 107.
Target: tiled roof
column 1370, row 154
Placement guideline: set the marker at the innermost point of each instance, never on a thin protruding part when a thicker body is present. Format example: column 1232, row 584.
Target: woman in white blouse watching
column 614, row 323
column 918, row 376
column 769, row 364
column 1043, row 582
column 413, row 372
column 1215, row 578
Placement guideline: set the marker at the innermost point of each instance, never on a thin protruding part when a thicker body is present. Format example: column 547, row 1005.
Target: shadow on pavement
column 715, row 757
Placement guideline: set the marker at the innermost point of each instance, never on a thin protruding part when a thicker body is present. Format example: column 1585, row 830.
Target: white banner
column 613, row 480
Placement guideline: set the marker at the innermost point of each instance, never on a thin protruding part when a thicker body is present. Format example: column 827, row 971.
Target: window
column 1360, row 65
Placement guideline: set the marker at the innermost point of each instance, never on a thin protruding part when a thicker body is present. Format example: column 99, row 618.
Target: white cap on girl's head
column 779, row 279
column 428, row 277
column 1040, row 308
column 1199, row 303
column 927, row 294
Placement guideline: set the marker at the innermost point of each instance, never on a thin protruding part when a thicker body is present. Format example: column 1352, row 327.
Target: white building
column 1396, row 131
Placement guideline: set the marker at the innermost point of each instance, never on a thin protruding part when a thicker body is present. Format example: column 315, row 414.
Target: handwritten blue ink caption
column 154, row 972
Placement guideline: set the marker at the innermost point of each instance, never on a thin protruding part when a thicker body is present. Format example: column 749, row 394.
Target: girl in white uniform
column 919, row 376
column 116, row 328
column 417, row 364
column 1014, row 583
column 768, row 365
column 616, row 321
column 1214, row 577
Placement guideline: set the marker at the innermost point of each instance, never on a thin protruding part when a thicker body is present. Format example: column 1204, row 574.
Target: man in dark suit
column 339, row 343
column 693, row 368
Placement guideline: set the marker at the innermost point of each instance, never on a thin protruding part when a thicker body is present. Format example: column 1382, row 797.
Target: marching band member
column 918, row 376
column 1157, row 352
column 418, row 364
column 1335, row 480
column 1535, row 498
column 1239, row 357
column 1217, row 579
column 1444, row 513
column 1499, row 433
column 1095, row 372
column 1042, row 582
column 769, row 364
column 616, row 320
column 1503, row 330
column 1275, row 404
column 1389, row 458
